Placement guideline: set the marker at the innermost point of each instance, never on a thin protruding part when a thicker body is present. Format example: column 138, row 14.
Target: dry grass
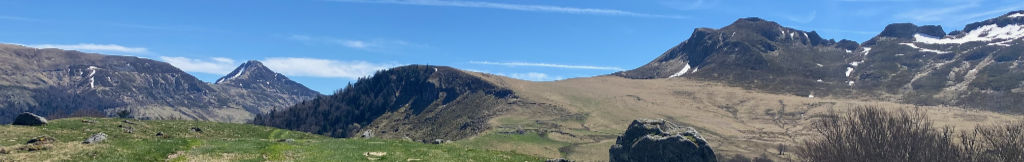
column 734, row 120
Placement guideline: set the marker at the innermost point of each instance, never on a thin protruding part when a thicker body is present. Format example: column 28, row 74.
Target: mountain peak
column 253, row 75
column 251, row 66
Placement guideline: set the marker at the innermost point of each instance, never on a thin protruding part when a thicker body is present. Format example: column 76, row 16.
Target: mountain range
column 58, row 83
column 749, row 87
column 976, row 67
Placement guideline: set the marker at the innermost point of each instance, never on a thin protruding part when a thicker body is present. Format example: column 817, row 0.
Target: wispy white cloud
column 376, row 44
column 290, row 66
column 214, row 65
column 802, row 18
column 688, row 4
column 94, row 47
column 956, row 12
column 313, row 67
column 534, row 76
column 16, row 18
column 547, row 65
column 515, row 7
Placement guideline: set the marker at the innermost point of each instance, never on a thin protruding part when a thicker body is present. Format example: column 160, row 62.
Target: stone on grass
column 29, row 119
column 660, row 140
column 40, row 140
column 96, row 138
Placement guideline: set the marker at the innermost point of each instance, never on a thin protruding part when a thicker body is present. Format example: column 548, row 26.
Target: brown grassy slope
column 588, row 114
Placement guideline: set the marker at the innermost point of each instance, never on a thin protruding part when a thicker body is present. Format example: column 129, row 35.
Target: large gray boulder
column 29, row 119
column 658, row 140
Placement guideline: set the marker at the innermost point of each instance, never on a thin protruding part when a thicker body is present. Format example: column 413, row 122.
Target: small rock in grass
column 197, row 129
column 129, row 130
column 439, row 141
column 4, row 151
column 558, row 160
column 98, row 137
column 375, row 155
column 158, row 134
column 88, row 121
column 41, row 140
column 289, row 140
column 127, row 121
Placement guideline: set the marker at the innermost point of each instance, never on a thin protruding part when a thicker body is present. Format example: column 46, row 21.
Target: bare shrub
column 995, row 143
column 873, row 134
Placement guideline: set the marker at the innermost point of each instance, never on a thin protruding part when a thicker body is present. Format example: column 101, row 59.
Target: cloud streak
column 515, row 64
column 959, row 12
column 534, row 76
column 214, row 65
column 515, row 7
column 324, row 68
column 355, row 44
column 290, row 66
column 94, row 47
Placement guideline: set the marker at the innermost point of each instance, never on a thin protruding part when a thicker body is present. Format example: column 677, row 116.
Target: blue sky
column 325, row 44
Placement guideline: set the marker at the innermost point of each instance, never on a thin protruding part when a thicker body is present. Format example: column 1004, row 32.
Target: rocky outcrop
column 95, row 138
column 29, row 119
column 659, row 140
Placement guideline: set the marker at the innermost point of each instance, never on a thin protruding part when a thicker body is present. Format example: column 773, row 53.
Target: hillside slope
column 216, row 142
column 59, row 83
column 592, row 112
column 416, row 101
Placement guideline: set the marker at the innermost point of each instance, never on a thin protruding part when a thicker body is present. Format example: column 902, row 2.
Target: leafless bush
column 995, row 143
column 873, row 134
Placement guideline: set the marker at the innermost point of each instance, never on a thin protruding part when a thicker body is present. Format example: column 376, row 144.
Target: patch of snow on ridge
column 681, row 72
column 867, row 50
column 1016, row 15
column 924, row 49
column 848, row 71
column 984, row 33
column 92, row 78
column 1005, row 43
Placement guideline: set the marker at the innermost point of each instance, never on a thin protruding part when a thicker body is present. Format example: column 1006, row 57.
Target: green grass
column 529, row 143
column 219, row 142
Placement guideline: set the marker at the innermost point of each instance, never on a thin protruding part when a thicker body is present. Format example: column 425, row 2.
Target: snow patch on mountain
column 681, row 72
column 92, row 77
column 984, row 33
column 1016, row 15
column 848, row 71
column 911, row 45
column 239, row 73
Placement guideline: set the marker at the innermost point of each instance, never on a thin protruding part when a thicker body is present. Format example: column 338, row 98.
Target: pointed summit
column 250, row 66
column 253, row 75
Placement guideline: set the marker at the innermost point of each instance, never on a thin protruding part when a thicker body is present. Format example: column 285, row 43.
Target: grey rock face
column 29, row 119
column 98, row 137
column 658, row 140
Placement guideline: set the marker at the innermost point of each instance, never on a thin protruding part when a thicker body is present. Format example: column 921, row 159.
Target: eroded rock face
column 659, row 140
